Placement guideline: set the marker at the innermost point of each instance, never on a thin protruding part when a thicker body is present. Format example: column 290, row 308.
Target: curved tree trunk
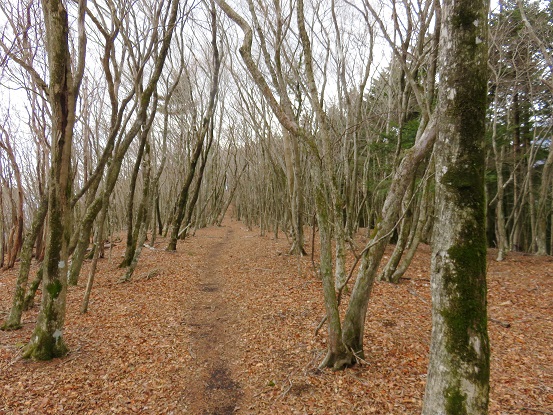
column 420, row 226
column 354, row 320
column 406, row 230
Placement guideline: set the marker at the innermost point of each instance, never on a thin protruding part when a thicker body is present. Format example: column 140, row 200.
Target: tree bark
column 15, row 239
column 459, row 367
column 47, row 339
column 14, row 318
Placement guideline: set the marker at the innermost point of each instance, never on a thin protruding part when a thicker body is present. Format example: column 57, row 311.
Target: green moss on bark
column 54, row 289
column 45, row 347
column 455, row 401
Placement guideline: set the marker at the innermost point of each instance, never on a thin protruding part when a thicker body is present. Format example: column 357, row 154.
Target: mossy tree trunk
column 14, row 318
column 458, row 374
column 28, row 303
column 47, row 339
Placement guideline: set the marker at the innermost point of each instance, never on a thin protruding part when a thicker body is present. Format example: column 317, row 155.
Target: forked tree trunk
column 354, row 320
column 337, row 356
column 405, row 231
column 419, row 227
column 459, row 367
column 180, row 206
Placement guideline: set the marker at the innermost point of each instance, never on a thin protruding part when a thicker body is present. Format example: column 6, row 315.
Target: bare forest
column 258, row 207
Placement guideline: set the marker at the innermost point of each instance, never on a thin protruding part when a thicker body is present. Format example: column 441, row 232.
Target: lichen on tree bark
column 458, row 375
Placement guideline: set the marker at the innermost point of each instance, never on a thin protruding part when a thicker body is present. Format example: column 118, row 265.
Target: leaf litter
column 226, row 325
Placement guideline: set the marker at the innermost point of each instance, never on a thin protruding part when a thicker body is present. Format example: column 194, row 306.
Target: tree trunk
column 180, row 206
column 143, row 215
column 83, row 243
column 131, row 237
column 354, row 320
column 28, row 303
column 47, row 338
column 15, row 239
column 337, row 356
column 2, row 223
column 459, row 368
column 415, row 240
column 543, row 202
column 14, row 318
column 99, row 240
column 405, row 231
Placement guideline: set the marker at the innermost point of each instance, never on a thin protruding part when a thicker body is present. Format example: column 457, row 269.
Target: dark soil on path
column 212, row 322
column 225, row 325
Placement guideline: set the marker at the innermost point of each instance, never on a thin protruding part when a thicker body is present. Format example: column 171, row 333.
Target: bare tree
column 205, row 129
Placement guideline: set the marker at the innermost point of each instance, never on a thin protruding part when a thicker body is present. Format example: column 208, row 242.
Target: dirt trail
column 209, row 318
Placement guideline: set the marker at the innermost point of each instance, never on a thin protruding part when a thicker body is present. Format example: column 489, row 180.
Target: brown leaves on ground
column 226, row 325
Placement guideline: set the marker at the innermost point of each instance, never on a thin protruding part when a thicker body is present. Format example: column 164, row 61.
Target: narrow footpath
column 209, row 317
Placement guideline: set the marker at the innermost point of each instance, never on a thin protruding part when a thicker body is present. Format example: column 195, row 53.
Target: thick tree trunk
column 459, row 368
column 47, row 338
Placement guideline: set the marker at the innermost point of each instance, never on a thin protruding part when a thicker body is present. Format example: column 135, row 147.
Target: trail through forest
column 210, row 319
column 226, row 324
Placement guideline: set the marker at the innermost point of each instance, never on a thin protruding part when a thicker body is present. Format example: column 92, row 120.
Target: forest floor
column 226, row 325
